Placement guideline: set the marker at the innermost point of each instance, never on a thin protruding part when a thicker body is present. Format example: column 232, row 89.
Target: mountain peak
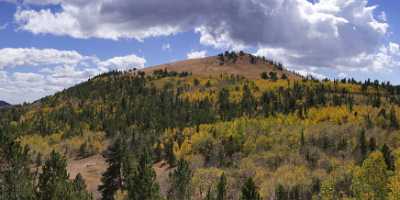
column 237, row 63
column 4, row 104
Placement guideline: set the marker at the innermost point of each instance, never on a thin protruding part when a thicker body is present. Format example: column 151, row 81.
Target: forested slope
column 223, row 135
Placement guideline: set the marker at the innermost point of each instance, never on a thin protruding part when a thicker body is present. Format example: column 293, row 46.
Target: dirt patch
column 91, row 169
column 162, row 170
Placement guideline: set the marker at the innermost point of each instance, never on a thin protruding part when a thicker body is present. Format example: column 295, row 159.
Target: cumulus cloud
column 196, row 54
column 12, row 57
column 51, row 70
column 312, row 34
column 125, row 62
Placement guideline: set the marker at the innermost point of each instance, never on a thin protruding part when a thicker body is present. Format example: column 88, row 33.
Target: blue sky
column 49, row 45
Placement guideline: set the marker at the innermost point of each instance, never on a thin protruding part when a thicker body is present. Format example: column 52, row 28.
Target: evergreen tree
column 54, row 183
column 112, row 179
column 143, row 185
column 249, row 191
column 209, row 195
column 361, row 147
column 79, row 187
column 389, row 158
column 181, row 182
column 224, row 105
column 16, row 179
column 372, row 144
column 221, row 188
column 247, row 103
column 264, row 75
column 394, row 123
column 54, row 178
column 169, row 153
column 273, row 76
column 280, row 193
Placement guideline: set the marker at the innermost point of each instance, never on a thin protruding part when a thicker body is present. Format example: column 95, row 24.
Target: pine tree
column 209, row 195
column 221, row 188
column 249, row 191
column 53, row 181
column 389, row 158
column 79, row 187
column 16, row 179
column 143, row 185
column 181, row 182
column 280, row 193
column 112, row 179
column 393, row 119
column 372, row 144
column 361, row 147
column 169, row 153
column 224, row 105
column 247, row 103
column 79, row 183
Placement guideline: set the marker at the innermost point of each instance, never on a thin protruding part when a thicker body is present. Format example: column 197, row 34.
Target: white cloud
column 196, row 54
column 166, row 47
column 125, row 62
column 12, row 57
column 314, row 33
column 51, row 70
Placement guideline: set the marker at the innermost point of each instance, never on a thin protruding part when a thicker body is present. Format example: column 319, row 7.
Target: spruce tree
column 362, row 149
column 143, row 185
column 372, row 144
column 221, row 188
column 181, row 182
column 389, row 158
column 79, row 188
column 112, row 178
column 53, row 181
column 247, row 103
column 16, row 179
column 249, row 191
column 224, row 105
column 393, row 119
column 280, row 193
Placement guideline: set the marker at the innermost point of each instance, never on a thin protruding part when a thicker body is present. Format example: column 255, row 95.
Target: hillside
column 190, row 128
column 4, row 104
column 242, row 64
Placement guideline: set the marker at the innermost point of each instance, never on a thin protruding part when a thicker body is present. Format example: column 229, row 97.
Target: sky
column 49, row 45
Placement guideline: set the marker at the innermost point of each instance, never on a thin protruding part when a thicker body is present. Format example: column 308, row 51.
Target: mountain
column 192, row 127
column 4, row 104
column 242, row 64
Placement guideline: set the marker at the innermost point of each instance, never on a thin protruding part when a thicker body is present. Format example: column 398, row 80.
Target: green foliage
column 16, row 180
column 54, row 183
column 142, row 184
column 181, row 178
column 280, row 193
column 370, row 181
column 226, row 122
column 221, row 188
column 249, row 191
column 389, row 158
column 113, row 178
column 362, row 149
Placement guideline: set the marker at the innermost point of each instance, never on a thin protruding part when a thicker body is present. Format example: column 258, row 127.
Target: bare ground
column 93, row 167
